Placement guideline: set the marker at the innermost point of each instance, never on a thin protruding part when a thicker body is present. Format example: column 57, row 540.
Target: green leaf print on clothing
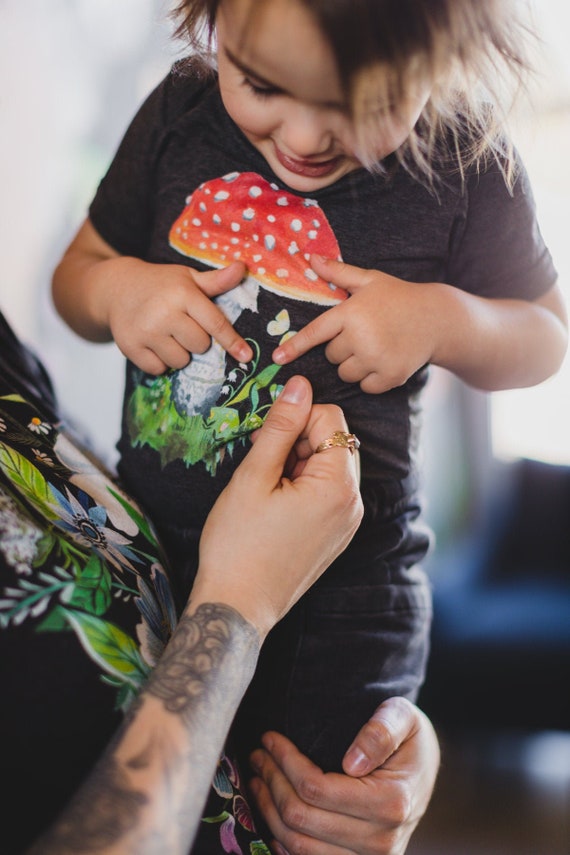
column 76, row 545
column 110, row 647
column 28, row 480
column 154, row 420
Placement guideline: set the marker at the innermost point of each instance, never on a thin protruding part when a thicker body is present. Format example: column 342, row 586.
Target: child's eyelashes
column 260, row 90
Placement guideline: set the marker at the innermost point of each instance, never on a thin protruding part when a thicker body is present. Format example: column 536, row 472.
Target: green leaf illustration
column 92, row 589
column 140, row 521
column 14, row 397
column 44, row 546
column 28, row 480
column 214, row 819
column 111, row 648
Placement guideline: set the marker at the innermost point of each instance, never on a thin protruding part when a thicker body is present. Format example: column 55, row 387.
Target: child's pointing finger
column 342, row 275
column 320, row 330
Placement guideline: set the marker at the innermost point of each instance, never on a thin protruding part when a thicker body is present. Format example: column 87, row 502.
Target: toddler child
column 333, row 196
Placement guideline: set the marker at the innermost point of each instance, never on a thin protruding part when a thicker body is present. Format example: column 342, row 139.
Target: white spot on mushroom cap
column 196, row 222
column 217, row 219
column 312, row 234
column 271, row 218
column 296, row 225
column 255, row 191
column 248, row 214
column 221, row 196
column 283, row 201
column 269, row 242
column 235, row 227
column 282, row 273
column 311, row 275
column 231, row 176
column 293, row 249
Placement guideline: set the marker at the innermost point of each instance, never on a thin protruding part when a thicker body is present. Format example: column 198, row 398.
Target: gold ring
column 339, row 439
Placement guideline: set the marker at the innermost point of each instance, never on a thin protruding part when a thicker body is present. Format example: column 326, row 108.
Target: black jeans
column 332, row 660
column 358, row 636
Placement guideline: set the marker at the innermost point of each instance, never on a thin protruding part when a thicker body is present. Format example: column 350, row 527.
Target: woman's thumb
column 286, row 420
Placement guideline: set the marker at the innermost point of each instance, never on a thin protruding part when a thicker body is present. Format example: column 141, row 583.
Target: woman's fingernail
column 278, row 355
column 355, row 761
column 294, row 391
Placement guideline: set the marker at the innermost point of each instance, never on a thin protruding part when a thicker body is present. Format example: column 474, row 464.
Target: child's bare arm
column 157, row 313
column 389, row 328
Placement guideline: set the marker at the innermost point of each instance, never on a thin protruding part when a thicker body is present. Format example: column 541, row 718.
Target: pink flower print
column 228, row 837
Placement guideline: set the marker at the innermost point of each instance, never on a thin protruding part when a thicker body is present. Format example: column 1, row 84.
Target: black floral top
column 86, row 608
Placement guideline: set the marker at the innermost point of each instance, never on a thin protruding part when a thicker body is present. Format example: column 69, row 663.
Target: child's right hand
column 158, row 314
column 162, row 313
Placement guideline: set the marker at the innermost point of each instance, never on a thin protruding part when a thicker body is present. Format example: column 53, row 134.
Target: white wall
column 72, row 73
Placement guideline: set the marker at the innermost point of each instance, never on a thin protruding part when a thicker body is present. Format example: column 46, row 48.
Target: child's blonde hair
column 466, row 51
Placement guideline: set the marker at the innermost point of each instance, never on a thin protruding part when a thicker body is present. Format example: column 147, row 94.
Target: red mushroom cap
column 243, row 217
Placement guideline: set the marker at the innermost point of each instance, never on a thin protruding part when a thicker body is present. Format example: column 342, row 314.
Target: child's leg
column 340, row 652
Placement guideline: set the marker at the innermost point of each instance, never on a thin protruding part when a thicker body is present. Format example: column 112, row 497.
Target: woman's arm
column 148, row 791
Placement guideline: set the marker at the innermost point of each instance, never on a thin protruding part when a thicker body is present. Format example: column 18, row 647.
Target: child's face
column 279, row 83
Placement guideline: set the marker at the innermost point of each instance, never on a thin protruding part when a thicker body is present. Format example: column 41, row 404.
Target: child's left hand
column 380, row 336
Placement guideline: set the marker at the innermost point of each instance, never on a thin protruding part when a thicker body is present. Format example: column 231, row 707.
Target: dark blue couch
column 501, row 634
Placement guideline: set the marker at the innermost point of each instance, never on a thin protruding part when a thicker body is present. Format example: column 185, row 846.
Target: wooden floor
column 500, row 794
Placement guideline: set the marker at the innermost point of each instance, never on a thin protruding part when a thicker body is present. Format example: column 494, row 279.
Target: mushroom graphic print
column 209, row 404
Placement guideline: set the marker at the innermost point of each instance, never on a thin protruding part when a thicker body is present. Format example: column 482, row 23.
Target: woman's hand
column 372, row 810
column 284, row 517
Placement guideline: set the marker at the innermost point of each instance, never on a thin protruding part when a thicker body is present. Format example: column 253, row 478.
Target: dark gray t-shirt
column 186, row 187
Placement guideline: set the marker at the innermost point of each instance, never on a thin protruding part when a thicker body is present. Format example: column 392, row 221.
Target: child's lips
column 308, row 168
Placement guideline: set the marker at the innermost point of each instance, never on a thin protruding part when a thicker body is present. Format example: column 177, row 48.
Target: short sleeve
column 497, row 249
column 122, row 210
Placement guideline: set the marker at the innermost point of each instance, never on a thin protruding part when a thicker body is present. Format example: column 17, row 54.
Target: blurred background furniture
column 501, row 633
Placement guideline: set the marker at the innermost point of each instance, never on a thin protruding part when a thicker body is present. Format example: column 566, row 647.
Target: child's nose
column 306, row 132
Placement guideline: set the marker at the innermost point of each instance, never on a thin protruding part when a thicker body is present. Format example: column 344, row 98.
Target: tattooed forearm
column 189, row 672
column 147, row 793
column 109, row 796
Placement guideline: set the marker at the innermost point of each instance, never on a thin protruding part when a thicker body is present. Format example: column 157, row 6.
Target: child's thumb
column 214, row 282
